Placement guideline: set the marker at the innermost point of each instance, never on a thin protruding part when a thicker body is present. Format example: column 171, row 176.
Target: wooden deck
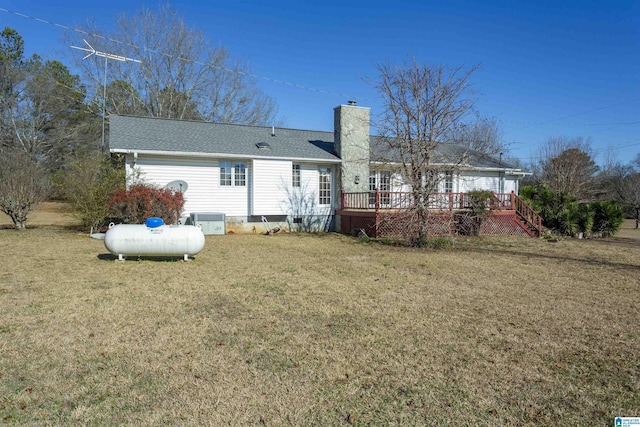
column 375, row 212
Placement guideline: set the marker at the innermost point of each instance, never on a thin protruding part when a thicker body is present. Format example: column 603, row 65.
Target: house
column 260, row 176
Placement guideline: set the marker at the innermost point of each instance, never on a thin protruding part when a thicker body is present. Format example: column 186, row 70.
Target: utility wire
column 593, row 124
column 579, row 114
column 230, row 70
column 593, row 151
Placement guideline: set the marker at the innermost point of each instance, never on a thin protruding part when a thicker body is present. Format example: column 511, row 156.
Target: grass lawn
column 319, row 330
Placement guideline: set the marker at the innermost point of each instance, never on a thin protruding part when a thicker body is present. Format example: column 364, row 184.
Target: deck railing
column 391, row 200
column 405, row 200
column 528, row 215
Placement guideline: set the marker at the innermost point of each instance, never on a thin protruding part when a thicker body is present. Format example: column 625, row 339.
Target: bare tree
column 23, row 184
column 301, row 208
column 483, row 134
column 628, row 194
column 623, row 183
column 635, row 163
column 567, row 165
column 608, row 175
column 182, row 75
column 422, row 107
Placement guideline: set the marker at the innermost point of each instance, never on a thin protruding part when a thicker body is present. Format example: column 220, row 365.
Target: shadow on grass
column 71, row 228
column 542, row 255
column 110, row 257
column 620, row 241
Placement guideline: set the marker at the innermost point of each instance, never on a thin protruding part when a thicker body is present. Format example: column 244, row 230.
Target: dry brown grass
column 320, row 330
column 46, row 214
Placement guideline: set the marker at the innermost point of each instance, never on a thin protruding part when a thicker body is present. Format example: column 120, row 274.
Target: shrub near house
column 139, row 202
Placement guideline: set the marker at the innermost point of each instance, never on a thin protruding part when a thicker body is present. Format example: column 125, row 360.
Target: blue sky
column 548, row 68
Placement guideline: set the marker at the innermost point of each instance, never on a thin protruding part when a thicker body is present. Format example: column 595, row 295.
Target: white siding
column 272, row 193
column 497, row 182
column 470, row 181
column 398, row 184
column 271, row 186
column 510, row 184
column 232, row 200
column 268, row 190
column 204, row 193
column 304, row 200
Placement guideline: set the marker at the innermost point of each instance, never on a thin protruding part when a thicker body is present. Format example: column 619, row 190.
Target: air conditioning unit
column 210, row 222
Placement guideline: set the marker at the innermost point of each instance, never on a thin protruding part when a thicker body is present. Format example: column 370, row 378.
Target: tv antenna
column 106, row 57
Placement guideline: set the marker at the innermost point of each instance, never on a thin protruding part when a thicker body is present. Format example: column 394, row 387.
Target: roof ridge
column 217, row 123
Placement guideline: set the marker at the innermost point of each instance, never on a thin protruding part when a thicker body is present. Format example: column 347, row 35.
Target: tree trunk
column 423, row 227
column 19, row 223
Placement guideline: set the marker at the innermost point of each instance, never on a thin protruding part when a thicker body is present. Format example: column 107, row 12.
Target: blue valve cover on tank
column 153, row 222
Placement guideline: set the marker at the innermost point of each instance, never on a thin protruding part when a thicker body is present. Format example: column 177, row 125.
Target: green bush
column 607, row 218
column 479, row 202
column 135, row 205
column 559, row 211
column 562, row 214
column 567, row 219
column 585, row 218
column 88, row 184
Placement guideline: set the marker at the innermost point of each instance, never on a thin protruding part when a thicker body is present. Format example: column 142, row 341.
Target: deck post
column 342, row 205
column 513, row 200
column 539, row 225
column 377, row 199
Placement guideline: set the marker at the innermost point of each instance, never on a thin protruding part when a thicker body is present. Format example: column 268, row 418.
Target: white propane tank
column 154, row 239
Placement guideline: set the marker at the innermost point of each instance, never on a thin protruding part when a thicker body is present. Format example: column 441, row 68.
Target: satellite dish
column 177, row 185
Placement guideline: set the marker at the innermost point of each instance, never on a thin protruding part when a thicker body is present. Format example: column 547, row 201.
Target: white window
column 225, row 173
column 448, row 183
column 324, row 186
column 385, row 187
column 295, row 177
column 373, row 185
column 240, row 169
column 237, row 178
column 372, row 181
column 379, row 181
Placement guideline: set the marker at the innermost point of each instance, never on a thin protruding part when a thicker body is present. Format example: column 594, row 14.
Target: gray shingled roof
column 169, row 135
column 130, row 133
column 445, row 154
